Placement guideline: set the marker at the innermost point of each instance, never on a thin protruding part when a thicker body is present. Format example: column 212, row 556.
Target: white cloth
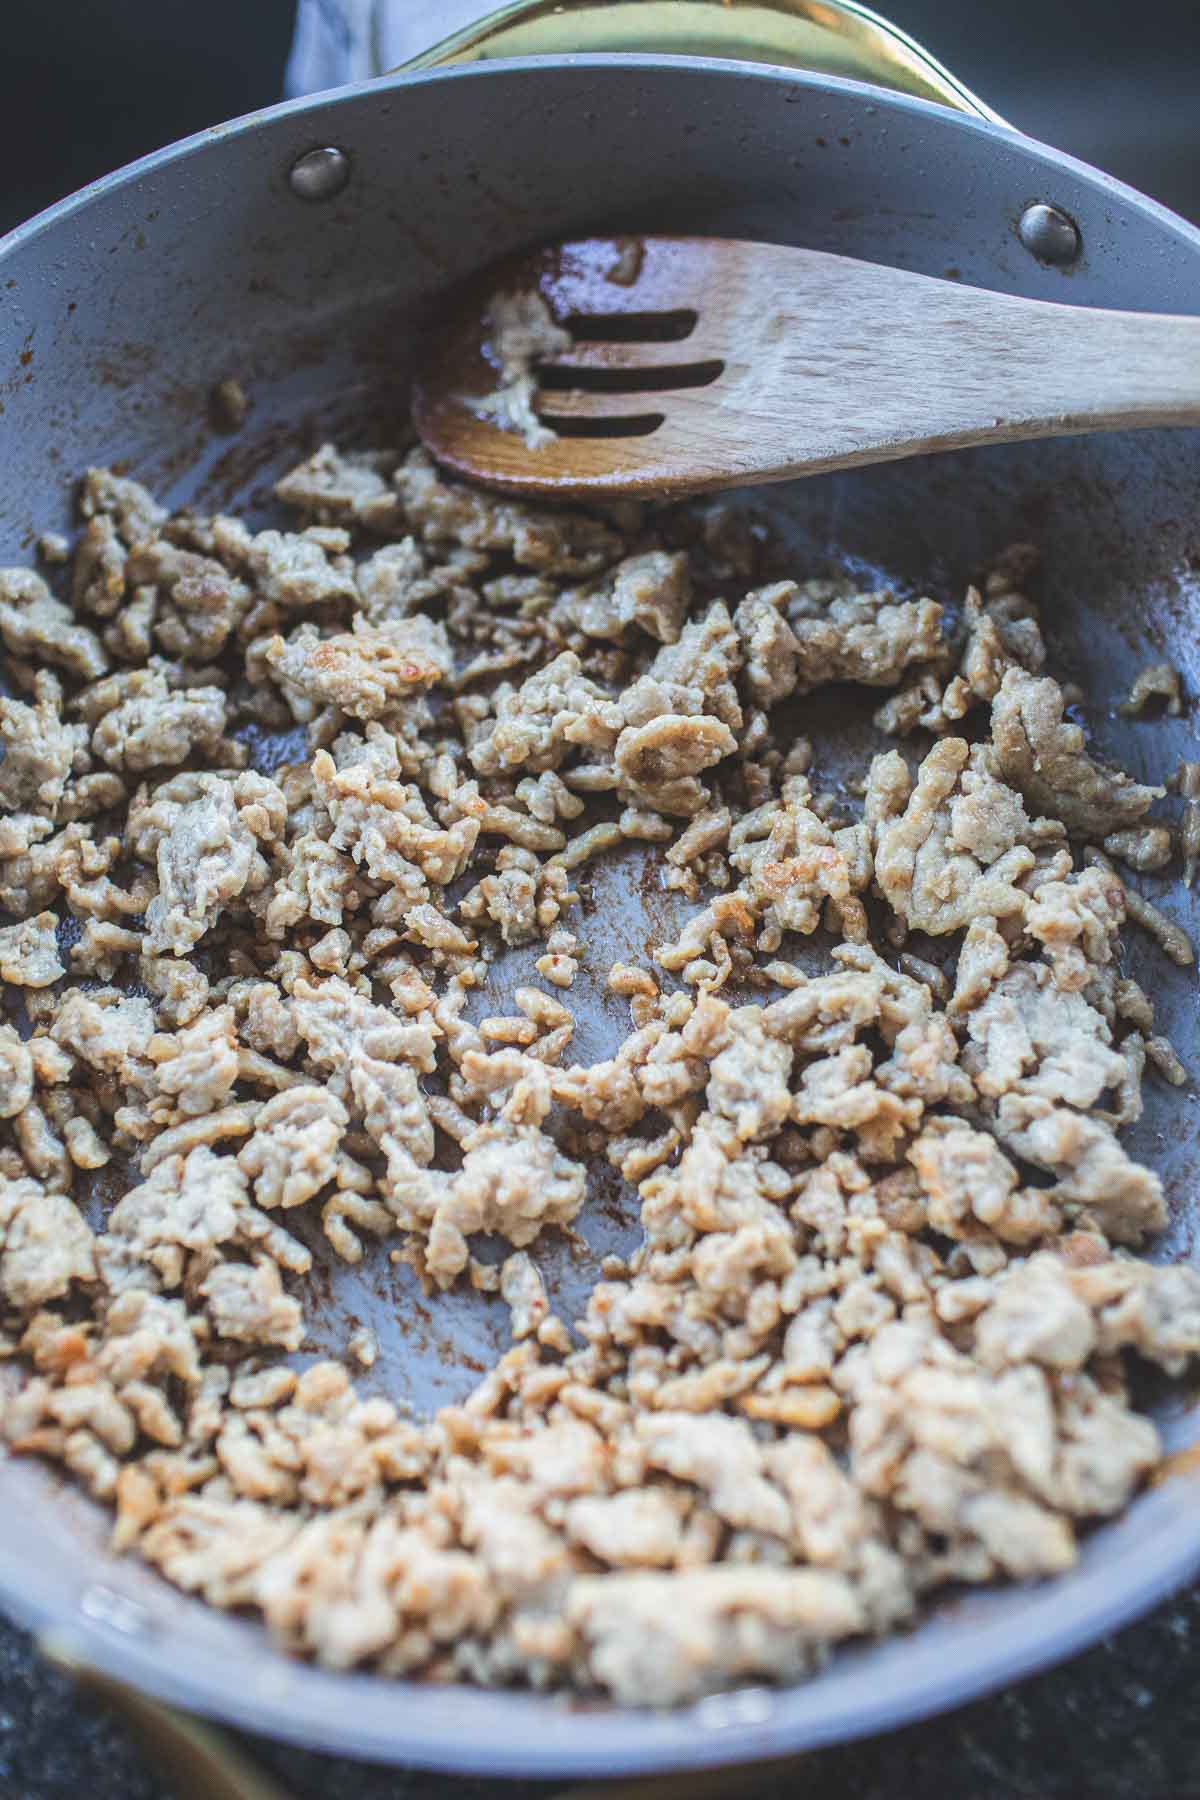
column 337, row 41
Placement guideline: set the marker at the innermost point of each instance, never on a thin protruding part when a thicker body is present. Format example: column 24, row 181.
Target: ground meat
column 16, row 1073
column 652, row 591
column 293, row 1153
column 1154, row 1309
column 40, row 751
column 228, row 405
column 98, row 578
column 1143, row 847
column 866, row 638
column 1188, row 782
column 370, row 1060
column 524, row 1293
column 555, row 543
column 658, row 763
column 793, row 865
column 315, row 881
column 520, row 332
column 197, row 1066
column 299, row 570
column 536, row 726
column 395, row 580
column 29, row 952
column 248, row 1304
column 693, row 675
column 388, row 830
column 1173, row 938
column 749, row 1082
column 146, row 724
column 1001, row 632
column 640, row 1528
column 1155, row 681
column 513, row 1181
column 205, row 856
column 1045, row 759
column 197, row 601
column 366, row 671
column 44, row 1244
column 560, row 964
column 655, row 1640
column 108, row 1031
column 35, row 625
column 953, row 847
column 871, row 1336
column 1034, row 1038
column 336, row 488
column 1093, row 1171
column 131, row 507
column 523, row 902
column 771, row 648
column 968, row 1180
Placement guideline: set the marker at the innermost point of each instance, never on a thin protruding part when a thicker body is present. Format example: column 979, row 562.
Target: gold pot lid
column 827, row 37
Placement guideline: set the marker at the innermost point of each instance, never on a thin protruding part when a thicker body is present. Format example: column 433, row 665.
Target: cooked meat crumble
column 871, row 1340
column 521, row 332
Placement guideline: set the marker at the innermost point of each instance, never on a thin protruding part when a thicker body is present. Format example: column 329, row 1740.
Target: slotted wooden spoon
column 706, row 362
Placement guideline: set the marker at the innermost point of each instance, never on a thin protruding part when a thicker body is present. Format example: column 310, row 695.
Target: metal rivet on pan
column 320, row 174
column 1050, row 234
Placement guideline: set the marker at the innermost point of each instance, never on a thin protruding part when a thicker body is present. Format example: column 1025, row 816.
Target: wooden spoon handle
column 941, row 367
column 1085, row 369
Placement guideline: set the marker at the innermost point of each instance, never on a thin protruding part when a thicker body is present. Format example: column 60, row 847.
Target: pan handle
column 196, row 1760
column 827, row 37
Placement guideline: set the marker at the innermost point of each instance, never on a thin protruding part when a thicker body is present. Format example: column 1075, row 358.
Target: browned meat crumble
column 871, row 1341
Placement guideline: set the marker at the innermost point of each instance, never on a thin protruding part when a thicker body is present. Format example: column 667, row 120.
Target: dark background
column 88, row 85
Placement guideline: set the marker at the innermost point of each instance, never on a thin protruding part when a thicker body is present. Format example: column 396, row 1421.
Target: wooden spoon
column 706, row 362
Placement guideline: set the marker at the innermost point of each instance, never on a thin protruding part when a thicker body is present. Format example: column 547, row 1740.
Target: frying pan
column 239, row 253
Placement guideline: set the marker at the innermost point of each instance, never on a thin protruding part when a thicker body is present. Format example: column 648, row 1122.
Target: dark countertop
column 1119, row 1721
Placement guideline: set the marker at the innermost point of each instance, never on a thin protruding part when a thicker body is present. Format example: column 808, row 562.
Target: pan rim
column 329, row 99
column 473, row 1731
column 440, row 1733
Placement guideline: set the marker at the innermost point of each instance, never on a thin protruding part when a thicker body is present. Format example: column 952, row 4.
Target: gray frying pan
column 237, row 253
